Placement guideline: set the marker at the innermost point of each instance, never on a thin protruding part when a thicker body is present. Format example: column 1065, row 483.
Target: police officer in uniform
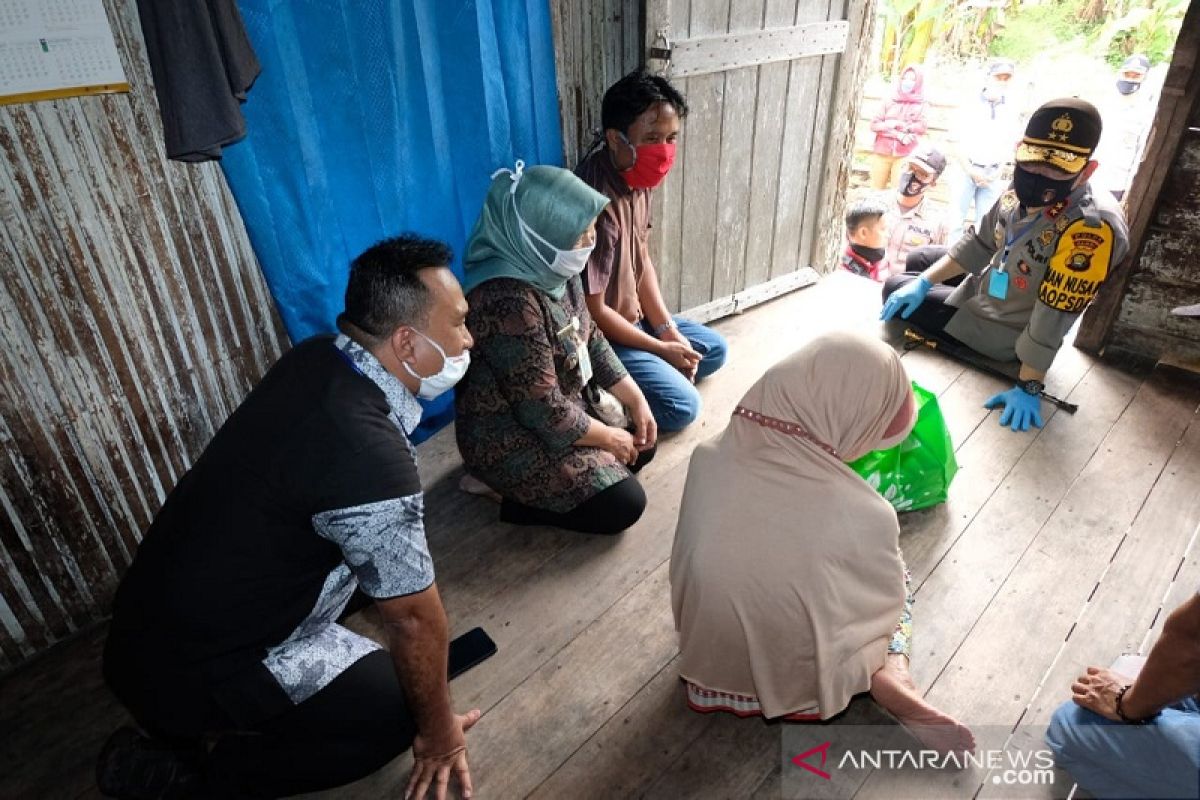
column 1036, row 261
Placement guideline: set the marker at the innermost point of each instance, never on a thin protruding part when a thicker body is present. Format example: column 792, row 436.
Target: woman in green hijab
column 523, row 425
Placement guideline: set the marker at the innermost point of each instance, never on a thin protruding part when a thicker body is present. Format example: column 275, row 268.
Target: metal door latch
column 661, row 49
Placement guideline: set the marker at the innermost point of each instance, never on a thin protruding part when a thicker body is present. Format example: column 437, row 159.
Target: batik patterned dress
column 520, row 407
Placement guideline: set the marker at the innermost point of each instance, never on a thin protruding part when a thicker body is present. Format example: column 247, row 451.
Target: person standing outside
column 665, row 355
column 982, row 142
column 1129, row 109
column 898, row 127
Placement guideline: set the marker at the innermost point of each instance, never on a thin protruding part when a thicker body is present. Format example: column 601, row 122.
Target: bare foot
column 472, row 485
column 893, row 688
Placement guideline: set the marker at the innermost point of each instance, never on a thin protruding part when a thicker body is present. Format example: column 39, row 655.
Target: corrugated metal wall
column 133, row 317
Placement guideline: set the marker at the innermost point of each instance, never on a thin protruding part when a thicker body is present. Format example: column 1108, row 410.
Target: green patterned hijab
column 553, row 202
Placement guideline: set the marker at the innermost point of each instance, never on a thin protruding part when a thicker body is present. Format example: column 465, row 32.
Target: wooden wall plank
column 818, row 149
column 134, row 318
column 800, row 115
column 849, row 76
column 701, row 168
column 767, row 153
column 594, row 45
column 668, row 233
column 733, row 174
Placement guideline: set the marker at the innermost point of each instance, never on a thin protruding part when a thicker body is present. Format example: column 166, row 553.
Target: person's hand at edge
column 437, row 757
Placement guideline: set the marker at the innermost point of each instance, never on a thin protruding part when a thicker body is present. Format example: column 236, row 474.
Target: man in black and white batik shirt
column 225, row 644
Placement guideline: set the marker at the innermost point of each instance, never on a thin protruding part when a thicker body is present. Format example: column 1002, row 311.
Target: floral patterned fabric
column 520, row 407
column 901, row 641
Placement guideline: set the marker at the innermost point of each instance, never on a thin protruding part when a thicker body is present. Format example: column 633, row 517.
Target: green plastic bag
column 917, row 472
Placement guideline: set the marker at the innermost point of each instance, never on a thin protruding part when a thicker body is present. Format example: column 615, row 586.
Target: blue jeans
column 983, row 197
column 1110, row 759
column 673, row 399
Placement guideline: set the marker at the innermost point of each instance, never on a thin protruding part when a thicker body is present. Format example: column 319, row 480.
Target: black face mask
column 1035, row 191
column 910, row 185
column 871, row 254
column 1128, row 87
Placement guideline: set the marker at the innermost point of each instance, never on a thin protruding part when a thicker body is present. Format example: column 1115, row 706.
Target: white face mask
column 452, row 371
column 566, row 263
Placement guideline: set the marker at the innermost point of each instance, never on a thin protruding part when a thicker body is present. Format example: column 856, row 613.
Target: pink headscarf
column 917, row 95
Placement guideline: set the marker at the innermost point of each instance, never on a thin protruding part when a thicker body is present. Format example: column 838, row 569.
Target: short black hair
column 864, row 210
column 628, row 99
column 385, row 289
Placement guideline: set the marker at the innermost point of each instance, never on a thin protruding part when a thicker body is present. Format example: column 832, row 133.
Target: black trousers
column 346, row 731
column 933, row 313
column 609, row 512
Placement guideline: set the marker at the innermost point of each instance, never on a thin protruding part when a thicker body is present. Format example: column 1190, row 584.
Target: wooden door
column 739, row 217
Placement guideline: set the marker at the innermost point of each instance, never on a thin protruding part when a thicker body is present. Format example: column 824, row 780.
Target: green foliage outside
column 1024, row 29
column 1151, row 31
column 1035, row 29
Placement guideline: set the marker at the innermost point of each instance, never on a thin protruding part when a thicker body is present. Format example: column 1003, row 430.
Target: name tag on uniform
column 585, row 364
column 998, row 285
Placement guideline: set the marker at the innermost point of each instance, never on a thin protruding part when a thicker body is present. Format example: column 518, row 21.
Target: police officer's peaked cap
column 1062, row 133
column 930, row 158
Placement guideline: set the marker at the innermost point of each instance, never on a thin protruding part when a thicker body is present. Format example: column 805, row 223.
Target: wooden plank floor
column 1056, row 549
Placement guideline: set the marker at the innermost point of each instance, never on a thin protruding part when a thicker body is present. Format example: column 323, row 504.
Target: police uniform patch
column 1078, row 267
column 1047, row 236
column 1008, row 201
column 1023, row 267
column 998, row 233
column 1021, row 282
column 1061, row 223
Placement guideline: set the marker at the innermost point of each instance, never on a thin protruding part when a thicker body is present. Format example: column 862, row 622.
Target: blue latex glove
column 1020, row 408
column 907, row 297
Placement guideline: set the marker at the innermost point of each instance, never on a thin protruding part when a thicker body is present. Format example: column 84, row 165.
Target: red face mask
column 652, row 163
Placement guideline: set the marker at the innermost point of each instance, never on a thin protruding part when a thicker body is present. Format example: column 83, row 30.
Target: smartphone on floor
column 472, row 648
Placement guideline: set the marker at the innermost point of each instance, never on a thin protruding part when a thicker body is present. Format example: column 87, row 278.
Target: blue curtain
column 373, row 117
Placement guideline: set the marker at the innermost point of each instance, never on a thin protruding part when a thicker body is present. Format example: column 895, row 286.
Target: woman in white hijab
column 787, row 582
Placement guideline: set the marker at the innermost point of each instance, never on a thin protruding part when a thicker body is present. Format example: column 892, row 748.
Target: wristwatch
column 1032, row 386
column 659, row 330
